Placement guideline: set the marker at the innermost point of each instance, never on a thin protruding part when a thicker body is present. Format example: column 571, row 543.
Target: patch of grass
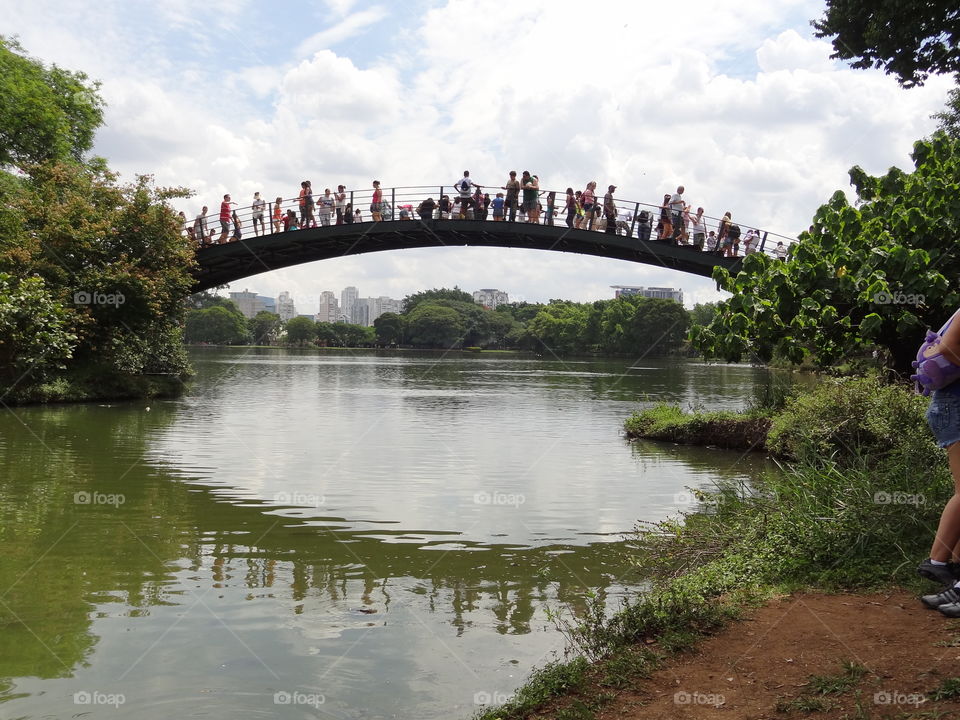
column 840, row 683
column 744, row 431
column 949, row 689
column 805, row 704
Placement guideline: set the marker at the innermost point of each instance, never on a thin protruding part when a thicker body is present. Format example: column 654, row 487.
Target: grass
column 740, row 431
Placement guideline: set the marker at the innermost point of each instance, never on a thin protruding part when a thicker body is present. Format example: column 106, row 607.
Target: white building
column 659, row 293
column 490, row 298
column 251, row 303
column 285, row 307
column 329, row 308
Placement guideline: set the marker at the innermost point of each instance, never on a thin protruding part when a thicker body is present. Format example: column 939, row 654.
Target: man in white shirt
column 325, row 204
column 465, row 188
column 258, row 206
column 200, row 226
column 676, row 208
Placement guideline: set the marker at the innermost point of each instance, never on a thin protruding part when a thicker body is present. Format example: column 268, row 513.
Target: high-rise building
column 490, row 297
column 329, row 308
column 268, row 303
column 360, row 312
column 659, row 293
column 347, row 298
column 387, row 305
column 285, row 307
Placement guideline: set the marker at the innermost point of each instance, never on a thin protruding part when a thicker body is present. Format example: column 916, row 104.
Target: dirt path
column 766, row 661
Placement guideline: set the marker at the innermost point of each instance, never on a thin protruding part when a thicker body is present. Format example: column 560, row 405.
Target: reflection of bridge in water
column 235, row 260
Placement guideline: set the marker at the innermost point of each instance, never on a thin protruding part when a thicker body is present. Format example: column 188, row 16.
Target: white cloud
column 347, row 28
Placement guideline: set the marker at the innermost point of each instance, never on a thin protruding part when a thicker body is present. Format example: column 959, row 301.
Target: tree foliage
column 948, row 119
column 388, row 328
column 301, row 330
column 870, row 275
column 264, row 326
column 47, row 113
column 910, row 39
column 410, row 302
column 218, row 325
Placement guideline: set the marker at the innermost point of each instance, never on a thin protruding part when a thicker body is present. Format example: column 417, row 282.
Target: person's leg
column 513, row 210
column 947, row 540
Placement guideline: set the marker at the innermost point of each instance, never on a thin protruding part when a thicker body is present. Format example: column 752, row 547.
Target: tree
column 907, row 38
column 948, row 120
column 264, row 326
column 47, row 113
column 356, row 335
column 388, row 328
column 435, row 326
column 410, row 302
column 873, row 274
column 327, row 334
column 702, row 313
column 34, row 329
column 216, row 325
column 301, row 330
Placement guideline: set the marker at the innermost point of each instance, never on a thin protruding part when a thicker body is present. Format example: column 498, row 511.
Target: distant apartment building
column 658, row 293
column 250, row 303
column 388, row 305
column 285, row 307
column 268, row 303
column 329, row 311
column 360, row 311
column 490, row 298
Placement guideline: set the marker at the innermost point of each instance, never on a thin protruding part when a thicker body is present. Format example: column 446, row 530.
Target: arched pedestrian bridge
column 238, row 259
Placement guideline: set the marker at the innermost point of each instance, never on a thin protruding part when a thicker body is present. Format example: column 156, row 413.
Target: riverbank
column 848, row 512
column 97, row 386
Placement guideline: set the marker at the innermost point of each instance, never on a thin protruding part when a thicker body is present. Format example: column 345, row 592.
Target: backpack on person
column 734, row 232
column 465, row 185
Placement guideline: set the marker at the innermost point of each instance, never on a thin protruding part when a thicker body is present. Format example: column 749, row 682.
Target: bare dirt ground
column 761, row 667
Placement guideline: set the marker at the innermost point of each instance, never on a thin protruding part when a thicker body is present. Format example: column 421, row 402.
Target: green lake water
column 331, row 535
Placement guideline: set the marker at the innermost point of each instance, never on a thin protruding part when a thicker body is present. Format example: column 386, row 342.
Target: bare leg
column 948, row 531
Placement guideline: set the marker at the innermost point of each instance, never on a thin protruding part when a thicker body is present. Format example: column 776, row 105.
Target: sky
column 738, row 102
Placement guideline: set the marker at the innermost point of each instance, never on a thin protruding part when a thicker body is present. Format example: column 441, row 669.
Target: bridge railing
column 401, row 203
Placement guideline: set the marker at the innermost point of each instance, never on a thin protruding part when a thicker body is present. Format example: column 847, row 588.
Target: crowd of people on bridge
column 521, row 199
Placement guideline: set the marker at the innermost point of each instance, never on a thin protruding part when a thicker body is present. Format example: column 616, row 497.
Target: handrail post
column 393, row 203
column 440, row 204
column 764, row 241
column 633, row 223
column 353, row 209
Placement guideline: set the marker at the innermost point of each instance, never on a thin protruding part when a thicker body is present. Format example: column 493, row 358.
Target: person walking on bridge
column 465, row 187
column 257, row 207
column 376, row 202
column 588, row 201
column 340, row 199
column 531, row 196
column 677, row 207
column 200, row 226
column 225, row 219
column 513, row 194
column 610, row 211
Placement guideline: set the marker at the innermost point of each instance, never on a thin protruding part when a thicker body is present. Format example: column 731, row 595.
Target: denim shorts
column 943, row 416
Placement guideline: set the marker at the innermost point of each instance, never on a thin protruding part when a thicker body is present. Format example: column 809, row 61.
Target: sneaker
column 950, row 609
column 943, row 574
column 949, row 596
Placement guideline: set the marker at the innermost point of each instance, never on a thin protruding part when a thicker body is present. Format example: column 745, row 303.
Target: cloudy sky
column 736, row 101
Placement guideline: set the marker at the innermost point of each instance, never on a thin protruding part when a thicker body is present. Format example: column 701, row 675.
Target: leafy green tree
column 48, row 113
column 388, row 328
column 873, row 274
column 432, row 325
column 907, row 38
column 560, row 327
column 520, row 311
column 327, row 334
column 948, row 119
column 216, row 325
column 410, row 302
column 34, row 330
column 355, row 335
column 301, row 330
column 264, row 326
column 702, row 313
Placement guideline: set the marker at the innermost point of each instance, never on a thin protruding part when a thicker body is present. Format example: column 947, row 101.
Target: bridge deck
column 222, row 264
